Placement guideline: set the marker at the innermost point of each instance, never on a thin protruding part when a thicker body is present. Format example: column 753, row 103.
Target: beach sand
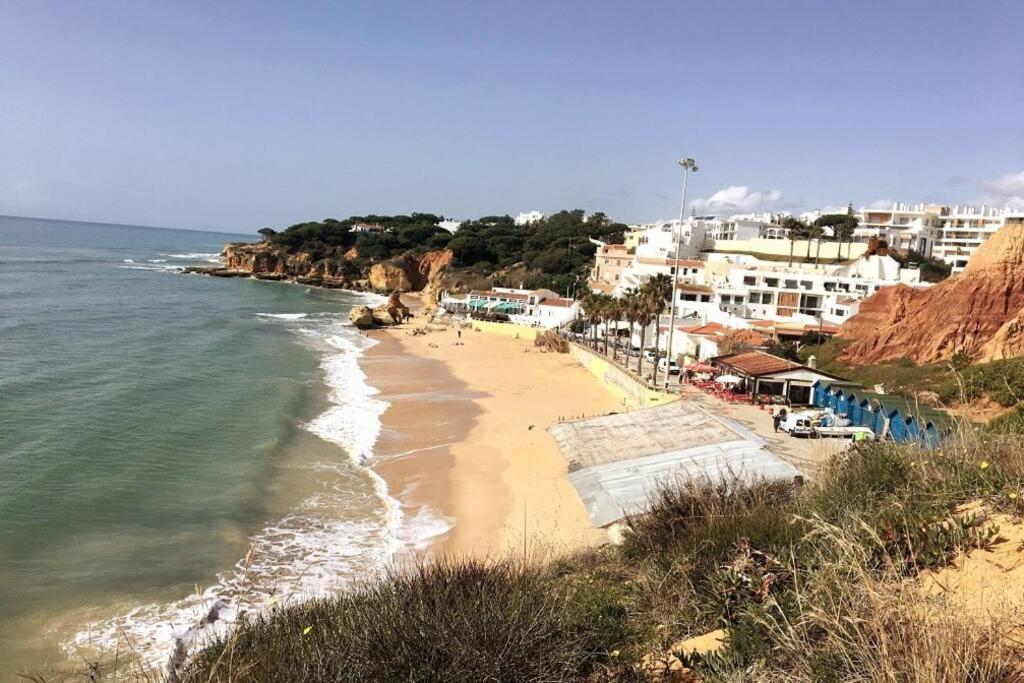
column 474, row 416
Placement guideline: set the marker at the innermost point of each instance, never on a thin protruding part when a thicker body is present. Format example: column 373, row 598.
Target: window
column 806, row 284
column 790, row 284
column 749, row 280
column 689, row 297
column 737, row 299
column 705, row 298
column 771, row 282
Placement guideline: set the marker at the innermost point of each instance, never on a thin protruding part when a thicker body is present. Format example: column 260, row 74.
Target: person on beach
column 459, row 333
column 776, row 421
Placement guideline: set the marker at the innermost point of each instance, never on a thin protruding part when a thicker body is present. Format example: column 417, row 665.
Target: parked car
column 634, row 351
column 650, row 355
column 670, row 365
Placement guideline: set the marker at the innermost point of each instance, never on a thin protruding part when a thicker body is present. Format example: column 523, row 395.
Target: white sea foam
column 156, row 260
column 309, row 553
column 127, row 260
column 196, row 256
column 156, row 267
column 283, row 316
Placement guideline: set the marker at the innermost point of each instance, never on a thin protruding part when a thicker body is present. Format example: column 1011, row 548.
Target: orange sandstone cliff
column 979, row 312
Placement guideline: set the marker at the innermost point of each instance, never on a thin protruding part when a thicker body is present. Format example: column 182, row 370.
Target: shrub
column 449, row 621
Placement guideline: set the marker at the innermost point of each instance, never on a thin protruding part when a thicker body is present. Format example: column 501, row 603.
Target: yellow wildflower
column 983, row 464
column 307, row 630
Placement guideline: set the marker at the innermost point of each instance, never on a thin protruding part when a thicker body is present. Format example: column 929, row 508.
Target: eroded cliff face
column 977, row 312
column 268, row 261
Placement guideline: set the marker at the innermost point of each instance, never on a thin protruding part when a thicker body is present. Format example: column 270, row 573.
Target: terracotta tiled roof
column 602, row 287
column 709, row 329
column 754, row 363
column 561, row 303
column 763, row 323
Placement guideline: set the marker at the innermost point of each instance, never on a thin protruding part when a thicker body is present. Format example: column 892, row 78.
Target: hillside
column 411, row 252
column 978, row 313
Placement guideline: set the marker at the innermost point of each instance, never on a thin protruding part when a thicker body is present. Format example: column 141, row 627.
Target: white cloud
column 738, row 198
column 882, row 204
column 1006, row 190
column 1011, row 184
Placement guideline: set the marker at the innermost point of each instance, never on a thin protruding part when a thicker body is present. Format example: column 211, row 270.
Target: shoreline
column 481, row 455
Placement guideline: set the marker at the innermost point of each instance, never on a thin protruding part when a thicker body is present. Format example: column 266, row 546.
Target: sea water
column 171, row 444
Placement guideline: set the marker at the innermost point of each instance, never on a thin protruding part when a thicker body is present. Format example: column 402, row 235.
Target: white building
column 962, row 229
column 528, row 217
column 949, row 233
column 531, row 307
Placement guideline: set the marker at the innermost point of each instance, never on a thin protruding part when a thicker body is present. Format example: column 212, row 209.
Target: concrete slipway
column 616, row 461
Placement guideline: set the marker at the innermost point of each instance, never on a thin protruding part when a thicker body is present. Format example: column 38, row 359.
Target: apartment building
column 949, row 233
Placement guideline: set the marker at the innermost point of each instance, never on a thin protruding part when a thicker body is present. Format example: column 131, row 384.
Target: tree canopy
column 556, row 251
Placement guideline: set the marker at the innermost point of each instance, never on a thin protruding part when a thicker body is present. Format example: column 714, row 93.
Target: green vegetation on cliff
column 810, row 583
column 554, row 252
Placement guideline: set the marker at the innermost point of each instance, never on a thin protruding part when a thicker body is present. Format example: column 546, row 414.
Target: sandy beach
column 466, row 436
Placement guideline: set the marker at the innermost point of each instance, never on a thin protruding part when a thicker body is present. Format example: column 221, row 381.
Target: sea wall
column 508, row 329
column 631, row 392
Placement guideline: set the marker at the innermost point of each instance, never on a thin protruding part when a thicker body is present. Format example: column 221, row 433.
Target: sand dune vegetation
column 828, row 581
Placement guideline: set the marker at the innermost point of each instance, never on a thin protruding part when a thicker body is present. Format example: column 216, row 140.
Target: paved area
column 807, row 455
column 617, row 461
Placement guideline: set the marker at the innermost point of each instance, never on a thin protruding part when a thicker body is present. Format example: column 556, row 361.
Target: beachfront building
column 755, row 278
column 370, row 228
column 762, row 374
column 528, row 217
column 531, row 307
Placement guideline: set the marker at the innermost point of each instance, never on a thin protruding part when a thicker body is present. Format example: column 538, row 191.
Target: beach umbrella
column 728, row 379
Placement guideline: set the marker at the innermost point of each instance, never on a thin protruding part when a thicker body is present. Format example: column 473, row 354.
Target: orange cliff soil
column 977, row 312
column 268, row 261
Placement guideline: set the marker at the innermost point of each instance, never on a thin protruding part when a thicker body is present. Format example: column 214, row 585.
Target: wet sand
column 474, row 416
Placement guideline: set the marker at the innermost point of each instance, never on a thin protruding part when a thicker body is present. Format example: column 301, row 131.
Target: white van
column 670, row 365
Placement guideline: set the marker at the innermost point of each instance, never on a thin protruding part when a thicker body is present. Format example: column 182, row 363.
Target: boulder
column 362, row 317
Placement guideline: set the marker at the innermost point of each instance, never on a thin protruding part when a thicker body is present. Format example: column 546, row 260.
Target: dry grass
column 812, row 583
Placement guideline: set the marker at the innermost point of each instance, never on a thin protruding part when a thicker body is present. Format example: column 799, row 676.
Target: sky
column 237, row 115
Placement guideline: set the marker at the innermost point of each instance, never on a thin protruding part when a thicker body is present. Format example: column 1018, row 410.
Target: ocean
column 170, row 443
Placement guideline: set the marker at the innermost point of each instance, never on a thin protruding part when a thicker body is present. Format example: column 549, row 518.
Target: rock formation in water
column 979, row 312
column 391, row 312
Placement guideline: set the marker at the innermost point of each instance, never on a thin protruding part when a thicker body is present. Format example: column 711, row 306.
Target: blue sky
column 234, row 115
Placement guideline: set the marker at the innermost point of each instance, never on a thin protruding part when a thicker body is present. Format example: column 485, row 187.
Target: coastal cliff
column 269, row 261
column 979, row 312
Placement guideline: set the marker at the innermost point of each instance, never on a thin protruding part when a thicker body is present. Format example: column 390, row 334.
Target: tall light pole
column 688, row 165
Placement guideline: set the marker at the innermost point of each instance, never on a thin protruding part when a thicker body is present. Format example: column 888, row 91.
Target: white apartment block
column 528, row 217
column 949, row 233
column 729, row 281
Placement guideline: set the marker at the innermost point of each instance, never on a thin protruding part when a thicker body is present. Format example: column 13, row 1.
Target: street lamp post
column 688, row 165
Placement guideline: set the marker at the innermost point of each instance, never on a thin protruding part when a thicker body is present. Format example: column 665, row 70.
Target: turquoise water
column 155, row 428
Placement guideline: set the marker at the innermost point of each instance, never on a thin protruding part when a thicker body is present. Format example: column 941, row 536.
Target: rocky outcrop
column 979, row 312
column 269, row 261
column 392, row 312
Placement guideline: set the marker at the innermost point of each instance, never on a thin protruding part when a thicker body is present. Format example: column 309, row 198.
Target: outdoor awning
column 477, row 303
column 506, row 306
column 700, row 367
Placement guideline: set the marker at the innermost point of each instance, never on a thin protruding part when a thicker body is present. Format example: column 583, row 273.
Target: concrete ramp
column 617, row 461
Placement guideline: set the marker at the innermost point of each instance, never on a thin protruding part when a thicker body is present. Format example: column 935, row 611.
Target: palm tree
column 644, row 314
column 812, row 232
column 592, row 309
column 659, row 289
column 631, row 311
column 612, row 313
column 795, row 229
